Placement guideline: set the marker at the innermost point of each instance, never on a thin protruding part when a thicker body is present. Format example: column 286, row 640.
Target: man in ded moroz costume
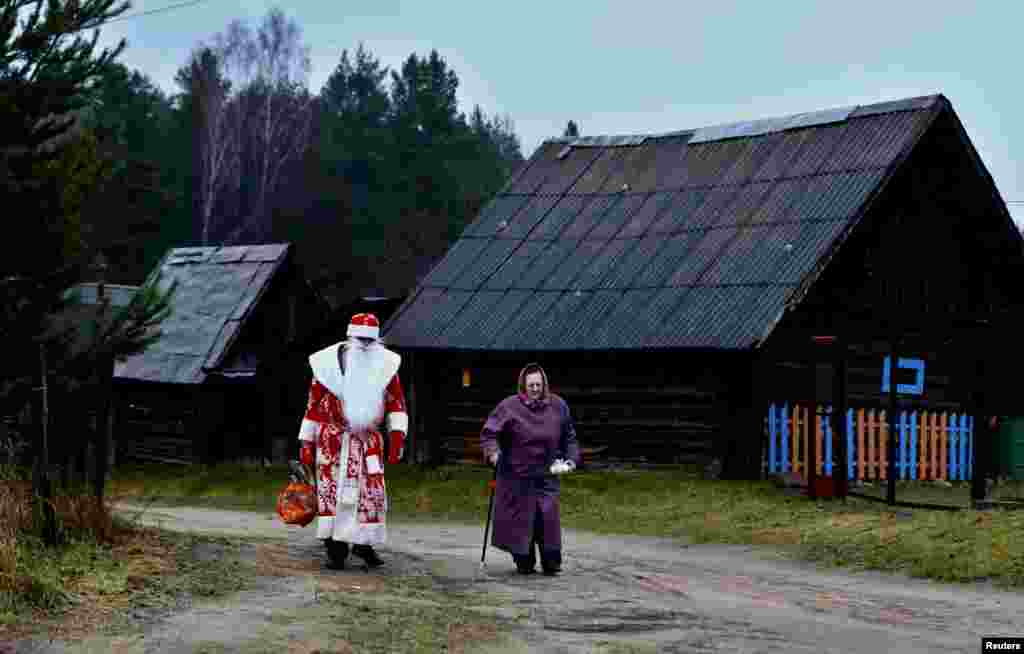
column 355, row 388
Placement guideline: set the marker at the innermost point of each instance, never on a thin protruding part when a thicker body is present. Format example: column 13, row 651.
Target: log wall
column 630, row 408
column 156, row 426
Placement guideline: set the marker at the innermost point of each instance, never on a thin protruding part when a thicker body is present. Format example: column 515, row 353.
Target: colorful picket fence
column 930, row 445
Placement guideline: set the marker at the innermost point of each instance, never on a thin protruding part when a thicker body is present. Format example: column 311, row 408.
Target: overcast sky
column 630, row 67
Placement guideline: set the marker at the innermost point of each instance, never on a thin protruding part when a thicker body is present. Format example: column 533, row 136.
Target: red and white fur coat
column 342, row 416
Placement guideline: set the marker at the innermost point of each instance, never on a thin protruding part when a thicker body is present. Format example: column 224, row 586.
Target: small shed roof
column 218, row 287
column 697, row 238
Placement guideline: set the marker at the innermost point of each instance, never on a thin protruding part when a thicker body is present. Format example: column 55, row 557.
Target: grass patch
column 252, row 487
column 948, row 546
column 954, row 493
column 103, row 567
column 412, row 614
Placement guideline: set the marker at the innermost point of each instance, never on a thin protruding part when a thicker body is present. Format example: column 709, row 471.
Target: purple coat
column 529, row 437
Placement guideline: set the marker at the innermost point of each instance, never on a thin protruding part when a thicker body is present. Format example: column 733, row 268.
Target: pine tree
column 48, row 170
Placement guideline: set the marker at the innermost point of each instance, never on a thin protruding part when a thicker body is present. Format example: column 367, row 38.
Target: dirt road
column 651, row 595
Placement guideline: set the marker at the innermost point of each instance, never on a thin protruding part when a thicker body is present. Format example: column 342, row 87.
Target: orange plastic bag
column 296, row 504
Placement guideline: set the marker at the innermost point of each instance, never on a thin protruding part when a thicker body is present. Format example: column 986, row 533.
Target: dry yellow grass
column 320, row 646
column 273, row 560
column 461, row 634
column 848, row 520
column 776, row 536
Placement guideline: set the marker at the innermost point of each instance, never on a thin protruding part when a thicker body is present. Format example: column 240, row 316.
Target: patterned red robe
column 352, row 499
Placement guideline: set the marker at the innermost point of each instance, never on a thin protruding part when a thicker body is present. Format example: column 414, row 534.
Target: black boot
column 526, row 565
column 366, row 553
column 551, row 562
column 337, row 552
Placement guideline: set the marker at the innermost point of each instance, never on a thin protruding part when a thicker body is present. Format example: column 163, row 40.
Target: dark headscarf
column 528, row 369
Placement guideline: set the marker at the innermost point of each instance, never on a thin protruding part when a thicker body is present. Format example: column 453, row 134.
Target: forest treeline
column 377, row 166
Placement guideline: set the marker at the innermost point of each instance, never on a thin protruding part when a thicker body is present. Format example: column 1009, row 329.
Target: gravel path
column 647, row 592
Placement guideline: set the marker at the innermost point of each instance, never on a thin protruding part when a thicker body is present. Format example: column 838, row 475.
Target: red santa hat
column 364, row 325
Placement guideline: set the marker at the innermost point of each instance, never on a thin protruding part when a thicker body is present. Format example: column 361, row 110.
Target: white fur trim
column 309, row 430
column 327, row 371
column 325, row 368
column 364, row 331
column 398, row 421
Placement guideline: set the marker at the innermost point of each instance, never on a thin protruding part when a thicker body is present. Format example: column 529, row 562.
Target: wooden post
column 891, row 447
column 841, row 472
column 811, row 466
column 982, row 433
column 106, row 379
column 41, row 477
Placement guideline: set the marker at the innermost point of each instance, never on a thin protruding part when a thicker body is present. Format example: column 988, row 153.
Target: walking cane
column 490, row 510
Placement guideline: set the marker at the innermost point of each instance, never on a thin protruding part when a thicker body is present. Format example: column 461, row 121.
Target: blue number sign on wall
column 917, row 388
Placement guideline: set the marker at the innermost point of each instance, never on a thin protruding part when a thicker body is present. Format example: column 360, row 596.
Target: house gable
column 218, row 287
column 938, row 243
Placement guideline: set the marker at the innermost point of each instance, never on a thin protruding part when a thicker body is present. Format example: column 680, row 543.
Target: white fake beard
column 364, row 403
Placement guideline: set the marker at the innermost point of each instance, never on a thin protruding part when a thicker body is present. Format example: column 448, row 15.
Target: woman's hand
column 493, row 459
column 562, row 466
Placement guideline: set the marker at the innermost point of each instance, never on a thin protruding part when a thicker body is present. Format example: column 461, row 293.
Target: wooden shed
column 227, row 379
column 677, row 286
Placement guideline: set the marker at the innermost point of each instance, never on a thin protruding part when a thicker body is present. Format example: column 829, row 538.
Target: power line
column 158, row 10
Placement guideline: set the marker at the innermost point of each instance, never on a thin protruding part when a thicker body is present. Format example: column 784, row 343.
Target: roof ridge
column 912, row 103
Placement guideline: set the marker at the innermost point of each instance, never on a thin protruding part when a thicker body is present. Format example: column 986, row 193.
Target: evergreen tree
column 572, row 131
column 132, row 120
column 48, row 169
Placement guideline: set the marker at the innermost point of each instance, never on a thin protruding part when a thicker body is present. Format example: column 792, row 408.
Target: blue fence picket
column 826, row 433
column 959, row 439
column 785, row 437
column 850, row 459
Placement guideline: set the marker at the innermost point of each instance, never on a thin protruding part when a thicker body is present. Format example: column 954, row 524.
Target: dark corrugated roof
column 217, row 290
column 692, row 239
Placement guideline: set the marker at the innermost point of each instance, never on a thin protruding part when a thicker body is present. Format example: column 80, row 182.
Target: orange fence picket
column 923, row 437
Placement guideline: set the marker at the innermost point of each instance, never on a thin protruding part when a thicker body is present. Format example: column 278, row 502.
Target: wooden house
column 379, row 286
column 676, row 286
column 228, row 378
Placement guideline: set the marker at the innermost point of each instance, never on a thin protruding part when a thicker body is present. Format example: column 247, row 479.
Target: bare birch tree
column 270, row 68
column 253, row 116
column 216, row 144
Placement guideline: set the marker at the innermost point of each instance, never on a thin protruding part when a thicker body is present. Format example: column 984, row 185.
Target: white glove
column 495, row 457
column 560, row 467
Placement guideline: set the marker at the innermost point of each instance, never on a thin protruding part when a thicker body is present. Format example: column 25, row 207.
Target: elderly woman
column 527, row 436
